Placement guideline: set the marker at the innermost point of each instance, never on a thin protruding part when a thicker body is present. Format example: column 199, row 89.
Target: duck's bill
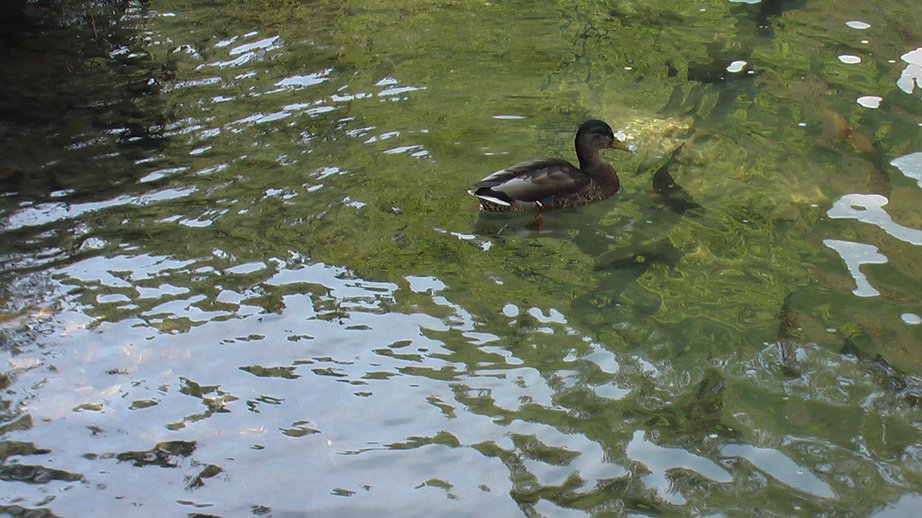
column 623, row 146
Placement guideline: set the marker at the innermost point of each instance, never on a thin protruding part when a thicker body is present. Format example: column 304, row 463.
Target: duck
column 554, row 183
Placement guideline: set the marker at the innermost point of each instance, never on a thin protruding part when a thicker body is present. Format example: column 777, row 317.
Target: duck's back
column 527, row 184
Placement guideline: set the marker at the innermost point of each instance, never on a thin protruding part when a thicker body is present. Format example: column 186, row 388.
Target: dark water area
column 78, row 111
column 240, row 273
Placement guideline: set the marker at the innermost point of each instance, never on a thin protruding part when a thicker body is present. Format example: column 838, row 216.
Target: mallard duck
column 554, row 183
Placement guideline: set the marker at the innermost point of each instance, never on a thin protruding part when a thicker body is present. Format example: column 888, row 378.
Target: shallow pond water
column 241, row 273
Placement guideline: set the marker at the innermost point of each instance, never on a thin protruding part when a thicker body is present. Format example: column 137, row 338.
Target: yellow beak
column 623, row 146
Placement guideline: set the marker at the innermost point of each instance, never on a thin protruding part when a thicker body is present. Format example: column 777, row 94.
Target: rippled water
column 241, row 273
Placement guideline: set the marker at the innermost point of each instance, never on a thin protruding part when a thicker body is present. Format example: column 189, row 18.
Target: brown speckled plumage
column 554, row 183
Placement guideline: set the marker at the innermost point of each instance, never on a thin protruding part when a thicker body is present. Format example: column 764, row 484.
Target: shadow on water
column 79, row 114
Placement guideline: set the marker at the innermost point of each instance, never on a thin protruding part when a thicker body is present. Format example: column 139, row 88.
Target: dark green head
column 595, row 135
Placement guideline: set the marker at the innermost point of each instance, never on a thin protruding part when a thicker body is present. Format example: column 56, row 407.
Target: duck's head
column 596, row 135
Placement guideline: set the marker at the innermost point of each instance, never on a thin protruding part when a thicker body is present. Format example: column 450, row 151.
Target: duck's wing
column 532, row 181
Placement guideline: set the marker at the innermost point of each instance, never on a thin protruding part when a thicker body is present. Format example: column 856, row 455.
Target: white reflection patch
column 912, row 74
column 736, row 67
column 263, row 44
column 911, row 319
column 162, row 173
column 45, row 213
column 910, row 165
column 780, row 467
column 591, row 463
column 553, row 316
column 868, row 208
column 854, row 255
column 424, row 284
column 399, row 90
column 870, row 101
column 857, row 24
column 246, row 268
column 659, row 460
column 294, row 82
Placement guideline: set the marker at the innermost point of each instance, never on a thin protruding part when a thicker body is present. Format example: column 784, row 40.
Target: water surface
column 241, row 273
